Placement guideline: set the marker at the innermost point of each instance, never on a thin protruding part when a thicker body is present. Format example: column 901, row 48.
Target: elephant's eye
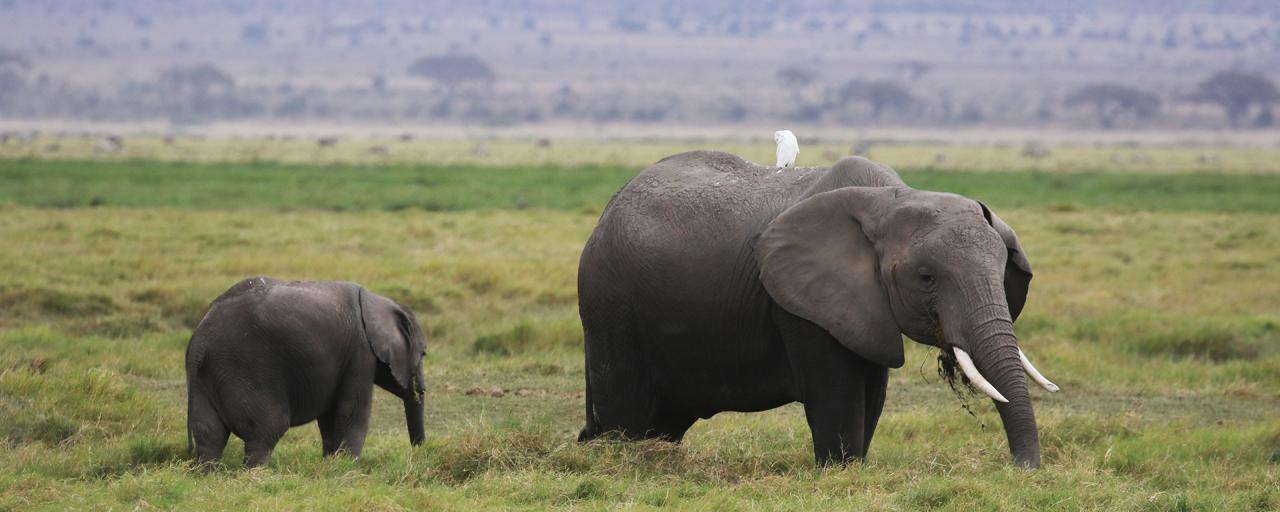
column 925, row 276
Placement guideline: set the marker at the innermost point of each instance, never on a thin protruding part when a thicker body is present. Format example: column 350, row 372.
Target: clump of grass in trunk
column 949, row 370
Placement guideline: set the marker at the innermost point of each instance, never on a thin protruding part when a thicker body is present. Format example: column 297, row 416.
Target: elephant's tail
column 193, row 358
column 592, row 428
column 191, row 445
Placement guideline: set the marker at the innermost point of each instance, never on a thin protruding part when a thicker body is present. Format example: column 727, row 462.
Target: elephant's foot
column 670, row 427
column 204, row 466
column 589, row 432
column 837, row 453
column 257, row 453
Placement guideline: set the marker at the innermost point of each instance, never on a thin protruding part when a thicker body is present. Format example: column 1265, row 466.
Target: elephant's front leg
column 836, row 415
column 832, row 382
column 345, row 427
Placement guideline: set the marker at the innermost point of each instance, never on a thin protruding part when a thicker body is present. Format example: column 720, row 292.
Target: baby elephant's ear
column 388, row 329
column 817, row 262
column 1017, row 271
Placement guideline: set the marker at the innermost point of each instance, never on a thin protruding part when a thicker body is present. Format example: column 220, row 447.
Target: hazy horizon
column 511, row 64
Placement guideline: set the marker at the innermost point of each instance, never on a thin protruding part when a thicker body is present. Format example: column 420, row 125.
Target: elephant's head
column 871, row 264
column 397, row 340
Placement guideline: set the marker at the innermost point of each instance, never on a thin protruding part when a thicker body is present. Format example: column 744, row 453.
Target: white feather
column 788, row 147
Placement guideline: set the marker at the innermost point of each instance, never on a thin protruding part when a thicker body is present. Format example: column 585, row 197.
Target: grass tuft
column 530, row 336
column 1160, row 335
column 52, row 302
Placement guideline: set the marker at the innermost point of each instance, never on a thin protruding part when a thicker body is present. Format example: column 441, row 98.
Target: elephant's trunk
column 997, row 358
column 414, row 410
column 987, row 335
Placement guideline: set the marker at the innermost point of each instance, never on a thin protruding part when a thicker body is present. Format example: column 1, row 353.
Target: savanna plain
column 1155, row 305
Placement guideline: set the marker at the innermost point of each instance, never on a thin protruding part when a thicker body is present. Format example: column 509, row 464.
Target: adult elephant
column 272, row 354
column 715, row 284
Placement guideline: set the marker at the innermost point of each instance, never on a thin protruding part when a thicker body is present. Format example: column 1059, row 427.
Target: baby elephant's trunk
column 413, row 411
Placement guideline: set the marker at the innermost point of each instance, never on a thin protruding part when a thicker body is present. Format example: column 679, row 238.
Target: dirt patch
column 499, row 392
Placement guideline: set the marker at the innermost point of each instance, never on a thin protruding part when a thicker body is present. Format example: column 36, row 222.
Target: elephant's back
column 699, row 192
column 707, row 184
column 263, row 315
column 683, row 226
column 285, row 340
column 221, row 318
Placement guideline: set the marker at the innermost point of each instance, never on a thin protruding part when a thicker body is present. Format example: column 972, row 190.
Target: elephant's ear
column 1017, row 272
column 389, row 329
column 818, row 263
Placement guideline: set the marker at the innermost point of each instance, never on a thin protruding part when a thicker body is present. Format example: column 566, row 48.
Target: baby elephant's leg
column 344, row 428
column 208, row 433
column 261, row 438
column 257, row 451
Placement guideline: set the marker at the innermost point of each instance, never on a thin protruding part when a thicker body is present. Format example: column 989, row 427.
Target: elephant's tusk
column 1035, row 375
column 976, row 378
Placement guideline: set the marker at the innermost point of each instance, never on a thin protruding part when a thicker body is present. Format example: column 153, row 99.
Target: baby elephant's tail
column 191, row 445
column 194, row 357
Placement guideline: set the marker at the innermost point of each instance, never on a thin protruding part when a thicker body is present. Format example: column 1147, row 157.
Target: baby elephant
column 274, row 354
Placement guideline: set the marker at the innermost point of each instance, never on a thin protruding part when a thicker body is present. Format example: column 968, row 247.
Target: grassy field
column 1169, row 157
column 1154, row 306
column 341, row 187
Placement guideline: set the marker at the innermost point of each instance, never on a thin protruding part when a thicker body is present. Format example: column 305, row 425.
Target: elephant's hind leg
column 208, row 433
column 257, row 451
column 621, row 400
column 626, row 412
column 260, row 438
column 671, row 426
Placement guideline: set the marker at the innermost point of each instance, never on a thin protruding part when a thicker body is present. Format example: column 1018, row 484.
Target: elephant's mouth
column 960, row 374
column 949, row 367
column 949, row 371
column 953, row 357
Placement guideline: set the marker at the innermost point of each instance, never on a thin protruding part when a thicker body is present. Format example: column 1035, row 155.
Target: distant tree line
column 1246, row 99
column 462, row 88
column 1111, row 101
column 1241, row 96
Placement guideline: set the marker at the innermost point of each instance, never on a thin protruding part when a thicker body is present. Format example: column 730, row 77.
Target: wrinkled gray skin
column 274, row 354
column 715, row 284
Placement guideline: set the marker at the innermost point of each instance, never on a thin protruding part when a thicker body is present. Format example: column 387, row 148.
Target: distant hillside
column 1089, row 64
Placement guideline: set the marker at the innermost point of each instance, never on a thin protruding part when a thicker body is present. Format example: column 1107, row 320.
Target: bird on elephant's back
column 788, row 148
column 715, row 284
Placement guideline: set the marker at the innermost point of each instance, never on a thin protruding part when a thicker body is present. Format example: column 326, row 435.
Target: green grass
column 1160, row 323
column 141, row 184
column 1172, row 157
column 331, row 187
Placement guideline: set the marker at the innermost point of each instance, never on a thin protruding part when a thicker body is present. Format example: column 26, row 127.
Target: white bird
column 788, row 147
